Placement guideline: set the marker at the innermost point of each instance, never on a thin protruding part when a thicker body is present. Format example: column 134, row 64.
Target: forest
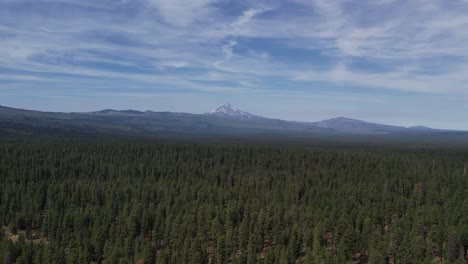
column 147, row 202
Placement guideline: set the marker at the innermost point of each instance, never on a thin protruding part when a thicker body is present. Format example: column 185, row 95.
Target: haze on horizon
column 387, row 61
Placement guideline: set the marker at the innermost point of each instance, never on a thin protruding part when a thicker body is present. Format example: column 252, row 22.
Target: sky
column 389, row 61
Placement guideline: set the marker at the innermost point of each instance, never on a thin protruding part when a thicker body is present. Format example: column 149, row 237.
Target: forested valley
column 143, row 202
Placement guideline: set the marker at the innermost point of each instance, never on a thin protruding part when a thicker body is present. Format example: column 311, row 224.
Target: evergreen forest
column 146, row 202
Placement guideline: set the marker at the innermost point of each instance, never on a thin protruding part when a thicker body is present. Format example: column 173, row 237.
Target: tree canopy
column 138, row 202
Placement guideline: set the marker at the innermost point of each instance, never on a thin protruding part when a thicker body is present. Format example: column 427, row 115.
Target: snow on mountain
column 227, row 110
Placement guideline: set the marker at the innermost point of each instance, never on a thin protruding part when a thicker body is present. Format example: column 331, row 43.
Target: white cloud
column 247, row 16
column 227, row 49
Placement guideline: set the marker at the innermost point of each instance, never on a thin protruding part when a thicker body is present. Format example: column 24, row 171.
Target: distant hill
column 348, row 125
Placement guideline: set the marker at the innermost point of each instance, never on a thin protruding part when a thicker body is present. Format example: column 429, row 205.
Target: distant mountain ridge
column 225, row 120
column 129, row 111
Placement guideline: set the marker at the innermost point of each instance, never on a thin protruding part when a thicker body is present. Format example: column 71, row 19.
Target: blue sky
column 389, row 61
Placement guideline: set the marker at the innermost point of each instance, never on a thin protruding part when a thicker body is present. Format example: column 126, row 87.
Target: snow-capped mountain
column 227, row 110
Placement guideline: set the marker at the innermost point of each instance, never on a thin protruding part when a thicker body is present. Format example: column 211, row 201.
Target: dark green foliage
column 152, row 203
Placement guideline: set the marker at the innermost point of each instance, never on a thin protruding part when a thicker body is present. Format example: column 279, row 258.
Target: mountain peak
column 227, row 110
